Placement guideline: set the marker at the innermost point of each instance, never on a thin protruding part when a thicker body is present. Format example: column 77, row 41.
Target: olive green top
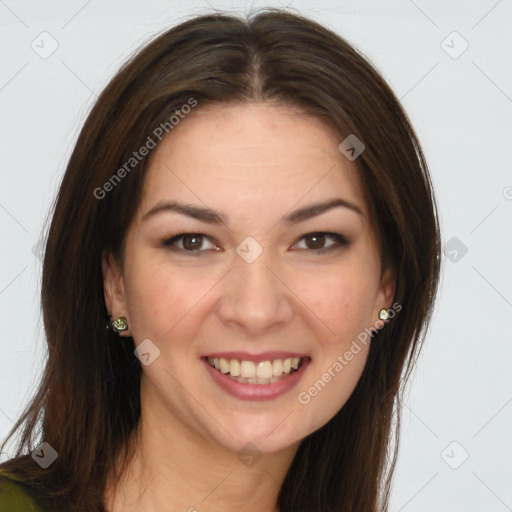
column 16, row 496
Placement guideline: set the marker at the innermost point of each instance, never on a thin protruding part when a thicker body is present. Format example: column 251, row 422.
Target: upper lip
column 263, row 356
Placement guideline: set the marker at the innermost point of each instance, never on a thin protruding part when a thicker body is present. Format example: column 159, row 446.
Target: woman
column 242, row 261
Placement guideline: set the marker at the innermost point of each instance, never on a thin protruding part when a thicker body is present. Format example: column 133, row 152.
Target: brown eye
column 316, row 241
column 190, row 242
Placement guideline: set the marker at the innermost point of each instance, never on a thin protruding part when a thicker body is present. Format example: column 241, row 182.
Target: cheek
column 331, row 382
column 344, row 301
column 340, row 303
column 161, row 299
column 151, row 298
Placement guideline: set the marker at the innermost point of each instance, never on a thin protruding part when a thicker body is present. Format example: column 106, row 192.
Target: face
column 251, row 283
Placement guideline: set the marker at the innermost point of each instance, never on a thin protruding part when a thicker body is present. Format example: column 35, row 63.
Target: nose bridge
column 254, row 297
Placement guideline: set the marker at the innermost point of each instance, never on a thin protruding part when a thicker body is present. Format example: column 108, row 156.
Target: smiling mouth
column 261, row 372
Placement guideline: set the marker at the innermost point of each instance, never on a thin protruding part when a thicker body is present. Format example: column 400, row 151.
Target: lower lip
column 256, row 391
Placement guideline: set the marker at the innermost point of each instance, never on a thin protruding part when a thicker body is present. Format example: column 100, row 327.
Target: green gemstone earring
column 383, row 314
column 118, row 325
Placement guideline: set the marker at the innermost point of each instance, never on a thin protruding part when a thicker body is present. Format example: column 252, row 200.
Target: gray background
column 460, row 101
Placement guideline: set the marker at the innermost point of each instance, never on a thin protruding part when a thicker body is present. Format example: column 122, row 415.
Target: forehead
column 251, row 155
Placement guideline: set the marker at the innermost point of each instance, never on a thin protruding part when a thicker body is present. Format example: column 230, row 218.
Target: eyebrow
column 212, row 217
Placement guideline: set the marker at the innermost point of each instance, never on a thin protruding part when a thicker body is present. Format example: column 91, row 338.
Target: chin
column 267, row 435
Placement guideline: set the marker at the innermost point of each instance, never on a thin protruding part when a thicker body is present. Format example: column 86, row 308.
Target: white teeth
column 248, row 369
column 224, row 365
column 234, row 368
column 262, row 372
column 277, row 368
column 255, row 381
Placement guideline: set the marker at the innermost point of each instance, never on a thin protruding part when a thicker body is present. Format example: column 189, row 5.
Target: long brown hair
column 87, row 405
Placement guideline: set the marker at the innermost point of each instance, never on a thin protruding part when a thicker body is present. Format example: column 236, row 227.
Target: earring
column 118, row 325
column 383, row 314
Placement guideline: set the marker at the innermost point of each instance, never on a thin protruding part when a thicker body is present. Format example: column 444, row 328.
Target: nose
column 255, row 298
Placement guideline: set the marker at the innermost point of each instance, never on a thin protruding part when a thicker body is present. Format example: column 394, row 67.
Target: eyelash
column 340, row 240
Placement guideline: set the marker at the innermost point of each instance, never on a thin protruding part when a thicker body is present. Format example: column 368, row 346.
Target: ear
column 385, row 293
column 113, row 290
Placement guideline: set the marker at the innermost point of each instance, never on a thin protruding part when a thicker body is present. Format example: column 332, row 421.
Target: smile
column 256, row 379
column 260, row 372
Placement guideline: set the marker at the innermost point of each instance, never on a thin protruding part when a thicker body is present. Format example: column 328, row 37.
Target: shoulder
column 16, row 496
